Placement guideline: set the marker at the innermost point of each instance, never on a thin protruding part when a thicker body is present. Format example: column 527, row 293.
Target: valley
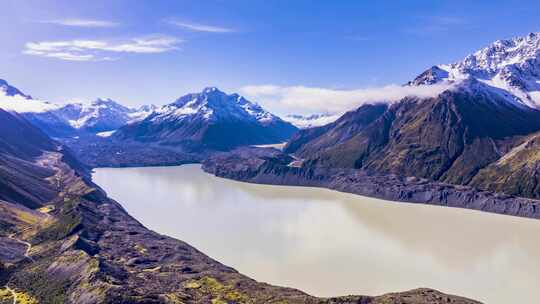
column 329, row 243
column 214, row 172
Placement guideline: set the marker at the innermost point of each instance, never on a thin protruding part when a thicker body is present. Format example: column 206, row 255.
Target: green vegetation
column 219, row 293
column 6, row 296
column 68, row 220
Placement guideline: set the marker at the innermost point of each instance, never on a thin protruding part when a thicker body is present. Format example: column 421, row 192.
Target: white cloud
column 200, row 27
column 82, row 22
column 95, row 50
column 21, row 104
column 307, row 100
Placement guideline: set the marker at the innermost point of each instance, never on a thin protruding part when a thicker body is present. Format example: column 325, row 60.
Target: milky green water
column 329, row 243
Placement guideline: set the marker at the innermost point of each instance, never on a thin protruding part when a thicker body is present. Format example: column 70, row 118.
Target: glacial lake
column 328, row 243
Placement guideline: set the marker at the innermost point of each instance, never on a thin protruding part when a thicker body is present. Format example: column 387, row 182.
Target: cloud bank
column 196, row 27
column 98, row 50
column 308, row 100
column 21, row 104
column 82, row 22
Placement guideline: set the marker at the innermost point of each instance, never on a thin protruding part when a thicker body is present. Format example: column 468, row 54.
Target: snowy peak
column 211, row 119
column 431, row 76
column 510, row 65
column 102, row 114
column 492, row 59
column 213, row 104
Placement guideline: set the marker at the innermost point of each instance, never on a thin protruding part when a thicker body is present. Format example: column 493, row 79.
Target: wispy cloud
column 77, row 22
column 307, row 100
column 99, row 50
column 197, row 27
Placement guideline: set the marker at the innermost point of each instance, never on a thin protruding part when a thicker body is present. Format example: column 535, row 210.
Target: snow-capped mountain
column 142, row 112
column 509, row 65
column 213, row 104
column 310, row 121
column 211, row 119
column 100, row 115
column 73, row 118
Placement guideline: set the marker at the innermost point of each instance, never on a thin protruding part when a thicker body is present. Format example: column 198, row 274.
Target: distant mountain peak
column 209, row 119
column 213, row 104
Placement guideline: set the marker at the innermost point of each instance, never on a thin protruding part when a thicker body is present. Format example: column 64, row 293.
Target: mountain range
column 483, row 131
column 72, row 119
column 211, row 119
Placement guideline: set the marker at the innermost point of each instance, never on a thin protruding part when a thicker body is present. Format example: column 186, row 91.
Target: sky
column 151, row 51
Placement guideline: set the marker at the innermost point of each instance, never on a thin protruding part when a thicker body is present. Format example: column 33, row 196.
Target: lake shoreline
column 287, row 235
column 264, row 166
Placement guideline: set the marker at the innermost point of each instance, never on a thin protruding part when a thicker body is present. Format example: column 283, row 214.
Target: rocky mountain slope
column 209, row 120
column 63, row 240
column 480, row 132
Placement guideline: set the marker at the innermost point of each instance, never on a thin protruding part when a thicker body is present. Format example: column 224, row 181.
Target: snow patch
column 106, row 134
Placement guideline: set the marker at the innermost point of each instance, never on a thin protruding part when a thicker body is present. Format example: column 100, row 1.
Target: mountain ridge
column 512, row 65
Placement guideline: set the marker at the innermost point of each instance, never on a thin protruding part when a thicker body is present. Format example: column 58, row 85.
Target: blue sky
column 140, row 52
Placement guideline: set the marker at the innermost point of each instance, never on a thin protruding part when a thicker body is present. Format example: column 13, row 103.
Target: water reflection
column 329, row 243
